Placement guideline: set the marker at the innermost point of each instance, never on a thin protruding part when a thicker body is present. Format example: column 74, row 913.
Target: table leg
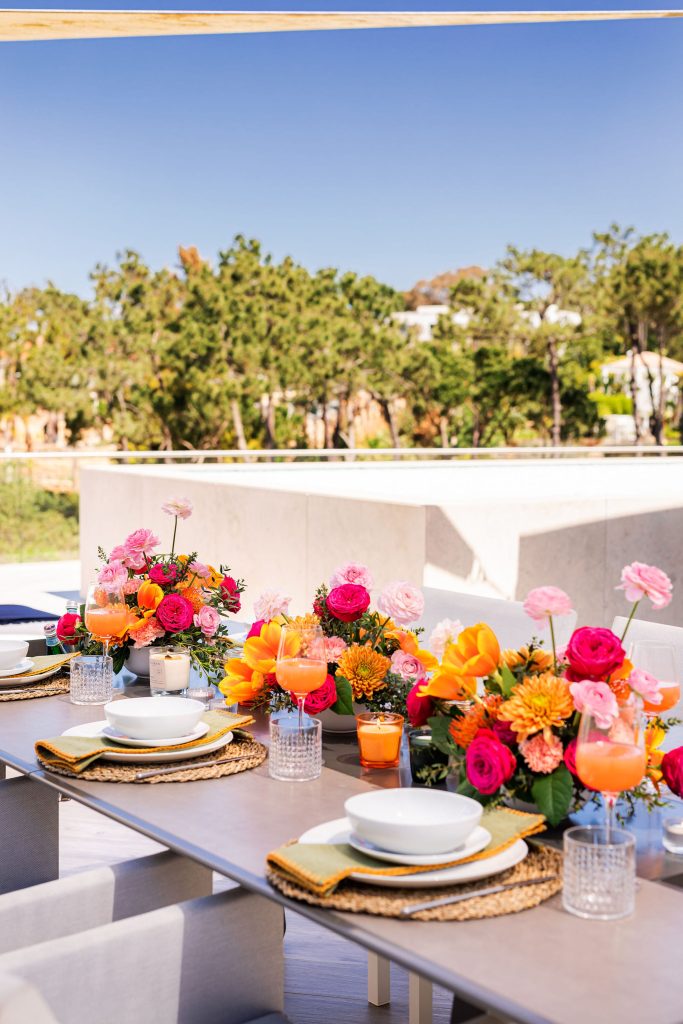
column 29, row 837
column 464, row 1013
column 379, row 980
column 419, row 1000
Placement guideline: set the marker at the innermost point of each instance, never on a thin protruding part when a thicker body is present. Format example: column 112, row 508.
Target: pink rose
column 139, row 545
column 402, row 602
column 322, row 698
column 593, row 653
column 407, row 666
column 163, row 574
column 419, row 709
column 645, row 685
column 542, row 755
column 672, row 770
column 596, row 699
column 488, row 763
column 352, row 572
column 543, row 602
column 112, row 576
column 66, row 628
column 175, row 613
column 256, row 628
column 230, row 593
column 181, row 508
column 348, row 602
column 208, row 620
column 639, row 580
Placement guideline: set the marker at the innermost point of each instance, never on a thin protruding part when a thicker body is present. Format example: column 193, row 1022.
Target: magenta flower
column 543, row 602
column 175, row 613
column 352, row 572
column 596, row 699
column 402, row 602
column 639, row 580
column 322, row 698
column 488, row 763
column 420, row 709
column 348, row 602
column 163, row 574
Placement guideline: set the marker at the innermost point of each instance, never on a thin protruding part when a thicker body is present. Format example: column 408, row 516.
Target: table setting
column 24, row 678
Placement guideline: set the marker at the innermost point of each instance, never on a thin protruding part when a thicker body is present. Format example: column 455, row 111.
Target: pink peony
column 66, row 628
column 402, row 602
column 256, row 628
column 148, row 633
column 593, row 653
column 596, row 699
column 112, row 576
column 163, row 574
column 175, row 613
column 139, row 545
column 444, row 633
column 270, row 604
column 543, row 602
column 352, row 572
column 181, row 508
column 645, row 685
column 208, row 620
column 334, row 648
column 348, row 602
column 420, row 709
column 230, row 593
column 672, row 769
column 542, row 755
column 488, row 763
column 322, row 698
column 639, row 580
column 407, row 666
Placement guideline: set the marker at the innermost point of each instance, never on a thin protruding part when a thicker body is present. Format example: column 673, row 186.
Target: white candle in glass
column 169, row 670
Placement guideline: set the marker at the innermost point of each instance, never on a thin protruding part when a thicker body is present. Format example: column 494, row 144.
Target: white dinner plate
column 200, row 729
column 96, row 729
column 337, row 832
column 476, row 841
column 22, row 666
column 12, row 681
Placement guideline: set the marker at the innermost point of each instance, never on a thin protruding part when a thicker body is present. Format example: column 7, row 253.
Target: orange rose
column 475, row 654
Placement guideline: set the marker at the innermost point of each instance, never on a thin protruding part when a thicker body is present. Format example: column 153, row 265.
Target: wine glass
column 301, row 665
column 610, row 753
column 106, row 613
column 660, row 661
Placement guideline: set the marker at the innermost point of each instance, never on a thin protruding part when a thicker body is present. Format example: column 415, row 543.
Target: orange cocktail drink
column 300, row 675
column 108, row 622
column 610, row 767
column 671, row 694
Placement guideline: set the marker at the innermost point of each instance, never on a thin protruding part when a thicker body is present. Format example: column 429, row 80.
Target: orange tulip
column 654, row 737
column 135, row 623
column 241, row 684
column 260, row 652
column 150, row 595
column 475, row 654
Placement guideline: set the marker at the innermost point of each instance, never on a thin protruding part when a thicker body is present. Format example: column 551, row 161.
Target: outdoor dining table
column 542, row 966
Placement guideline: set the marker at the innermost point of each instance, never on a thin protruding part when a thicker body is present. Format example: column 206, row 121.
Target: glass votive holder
column 379, row 738
column 295, row 754
column 428, row 764
column 169, row 672
column 599, row 872
column 91, row 679
column 201, row 693
column 672, row 837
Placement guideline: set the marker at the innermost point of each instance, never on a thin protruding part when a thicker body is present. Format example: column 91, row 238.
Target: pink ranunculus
column 645, row 685
column 593, row 653
column 66, row 628
column 444, row 633
column 420, row 709
column 181, row 508
column 199, row 569
column 334, row 648
column 639, row 580
column 256, row 628
column 270, row 604
column 322, row 698
column 543, row 602
column 348, row 602
column 112, row 576
column 542, row 755
column 488, row 763
column 208, row 620
column 596, row 699
column 672, row 770
column 402, row 602
column 352, row 572
column 407, row 666
column 139, row 545
column 163, row 574
column 175, row 613
column 230, row 593
column 150, row 631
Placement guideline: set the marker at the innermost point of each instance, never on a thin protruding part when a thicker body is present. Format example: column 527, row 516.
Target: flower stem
column 552, row 638
column 175, row 527
column 629, row 620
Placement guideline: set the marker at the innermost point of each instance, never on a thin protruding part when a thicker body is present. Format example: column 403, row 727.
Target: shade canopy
column 29, row 25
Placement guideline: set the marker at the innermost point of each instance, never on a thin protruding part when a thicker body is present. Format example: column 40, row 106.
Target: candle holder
column 428, row 764
column 379, row 738
column 169, row 672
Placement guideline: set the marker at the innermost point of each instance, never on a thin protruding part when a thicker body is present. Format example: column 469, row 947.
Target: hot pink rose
column 256, row 628
column 645, row 685
column 488, row 763
column 407, row 666
column 322, row 698
column 348, row 602
column 570, row 757
column 139, row 545
column 593, row 653
column 163, row 574
column 230, row 593
column 596, row 699
column 352, row 572
column 672, row 770
column 112, row 576
column 175, row 613
column 402, row 602
column 639, row 580
column 208, row 620
column 543, row 602
column 419, row 709
column 66, row 628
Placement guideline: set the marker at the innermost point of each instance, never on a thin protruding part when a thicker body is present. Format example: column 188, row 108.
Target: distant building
column 424, row 318
column 642, row 367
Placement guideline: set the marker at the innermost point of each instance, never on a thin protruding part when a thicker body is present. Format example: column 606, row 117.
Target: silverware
column 186, row 767
column 415, row 908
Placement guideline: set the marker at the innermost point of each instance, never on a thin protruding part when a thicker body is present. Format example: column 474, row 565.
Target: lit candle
column 379, row 739
column 169, row 671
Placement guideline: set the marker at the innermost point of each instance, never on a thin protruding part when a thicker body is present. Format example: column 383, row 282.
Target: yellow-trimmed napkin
column 320, row 867
column 76, row 753
column 41, row 663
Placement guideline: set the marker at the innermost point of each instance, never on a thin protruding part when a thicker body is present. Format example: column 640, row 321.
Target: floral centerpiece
column 171, row 599
column 372, row 658
column 516, row 738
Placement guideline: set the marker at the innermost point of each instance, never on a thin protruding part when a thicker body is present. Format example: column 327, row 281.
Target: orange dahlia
column 364, row 668
column 538, row 703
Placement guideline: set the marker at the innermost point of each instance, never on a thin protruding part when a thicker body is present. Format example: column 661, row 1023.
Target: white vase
column 333, row 722
column 137, row 661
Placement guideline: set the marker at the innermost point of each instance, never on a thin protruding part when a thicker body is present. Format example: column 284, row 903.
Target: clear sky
column 401, row 153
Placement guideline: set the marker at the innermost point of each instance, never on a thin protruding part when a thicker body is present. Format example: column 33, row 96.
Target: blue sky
column 398, row 153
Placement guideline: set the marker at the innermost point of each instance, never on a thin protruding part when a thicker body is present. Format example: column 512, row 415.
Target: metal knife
column 187, row 767
column 415, row 908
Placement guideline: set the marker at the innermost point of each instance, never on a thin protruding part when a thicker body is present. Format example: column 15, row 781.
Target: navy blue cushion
column 22, row 613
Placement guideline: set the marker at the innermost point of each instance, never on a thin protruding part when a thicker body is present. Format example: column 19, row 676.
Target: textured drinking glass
column 599, row 872
column 296, row 750
column 92, row 680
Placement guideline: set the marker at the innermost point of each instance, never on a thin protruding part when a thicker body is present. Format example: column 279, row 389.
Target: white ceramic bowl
column 12, row 652
column 154, row 718
column 413, row 820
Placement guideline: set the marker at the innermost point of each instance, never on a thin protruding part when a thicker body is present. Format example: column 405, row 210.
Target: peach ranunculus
column 409, row 644
column 260, row 652
column 241, row 683
column 474, row 655
column 150, row 595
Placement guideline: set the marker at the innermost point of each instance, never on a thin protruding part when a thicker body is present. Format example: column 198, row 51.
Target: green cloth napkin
column 76, row 753
column 41, row 663
column 320, row 867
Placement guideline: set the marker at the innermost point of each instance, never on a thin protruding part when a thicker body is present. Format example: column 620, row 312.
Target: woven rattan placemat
column 108, row 771
column 48, row 688
column 367, row 899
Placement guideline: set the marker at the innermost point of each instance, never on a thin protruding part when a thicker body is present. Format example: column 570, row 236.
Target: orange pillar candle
column 379, row 739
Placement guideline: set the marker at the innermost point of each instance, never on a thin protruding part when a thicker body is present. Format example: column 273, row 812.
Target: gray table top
column 540, row 966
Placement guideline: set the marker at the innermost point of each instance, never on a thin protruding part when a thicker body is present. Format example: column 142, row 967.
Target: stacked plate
column 417, row 828
column 14, row 665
